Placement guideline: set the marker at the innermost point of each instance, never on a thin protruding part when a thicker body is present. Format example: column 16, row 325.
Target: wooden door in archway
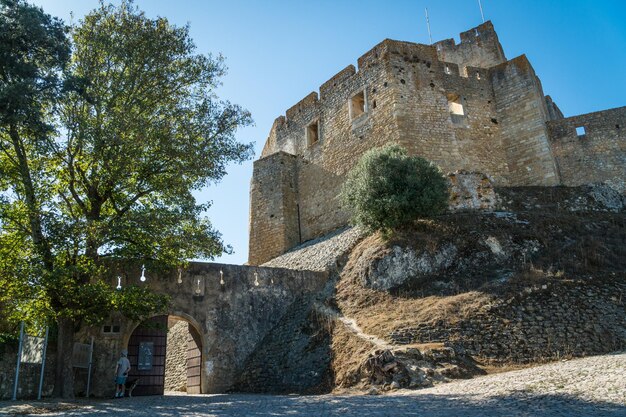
column 194, row 361
column 146, row 352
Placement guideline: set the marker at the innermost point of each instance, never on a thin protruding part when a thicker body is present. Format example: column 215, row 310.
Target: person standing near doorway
column 121, row 372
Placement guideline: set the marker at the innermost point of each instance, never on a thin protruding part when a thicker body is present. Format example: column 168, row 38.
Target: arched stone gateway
column 159, row 340
column 230, row 309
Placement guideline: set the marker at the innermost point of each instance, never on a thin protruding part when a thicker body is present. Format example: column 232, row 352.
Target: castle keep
column 462, row 106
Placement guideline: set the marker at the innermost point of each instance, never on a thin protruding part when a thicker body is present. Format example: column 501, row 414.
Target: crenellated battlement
column 474, row 36
column 479, row 47
column 336, row 80
column 479, row 33
column 306, row 103
column 479, row 41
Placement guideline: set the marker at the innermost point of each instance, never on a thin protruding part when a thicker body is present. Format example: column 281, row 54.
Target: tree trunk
column 30, row 197
column 64, row 378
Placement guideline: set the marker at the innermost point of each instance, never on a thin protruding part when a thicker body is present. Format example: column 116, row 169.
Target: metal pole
column 481, row 10
column 89, row 371
column 43, row 364
column 19, row 360
column 430, row 37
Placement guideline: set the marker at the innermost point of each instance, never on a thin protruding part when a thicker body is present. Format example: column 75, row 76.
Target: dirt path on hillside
column 352, row 326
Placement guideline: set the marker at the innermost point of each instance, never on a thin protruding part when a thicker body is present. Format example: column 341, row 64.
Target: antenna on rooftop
column 430, row 37
column 481, row 10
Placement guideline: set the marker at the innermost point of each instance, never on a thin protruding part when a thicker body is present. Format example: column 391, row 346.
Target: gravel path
column 594, row 386
column 318, row 254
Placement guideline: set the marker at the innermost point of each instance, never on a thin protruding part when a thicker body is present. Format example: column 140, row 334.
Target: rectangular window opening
column 111, row 328
column 357, row 105
column 312, row 133
column 457, row 112
column 454, row 105
column 580, row 131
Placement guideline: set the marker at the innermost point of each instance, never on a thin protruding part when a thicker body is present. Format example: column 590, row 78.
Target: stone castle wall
column 406, row 89
column 522, row 112
column 273, row 206
column 411, row 94
column 427, row 128
column 231, row 319
column 294, row 357
column 597, row 156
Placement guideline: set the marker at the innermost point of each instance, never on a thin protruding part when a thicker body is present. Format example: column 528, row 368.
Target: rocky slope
column 540, row 277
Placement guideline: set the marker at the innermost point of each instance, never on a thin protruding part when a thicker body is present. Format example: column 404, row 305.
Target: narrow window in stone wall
column 457, row 113
column 357, row 105
column 313, row 133
column 454, row 105
column 580, row 131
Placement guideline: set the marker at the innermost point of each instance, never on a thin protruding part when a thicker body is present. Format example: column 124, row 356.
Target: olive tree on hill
column 388, row 189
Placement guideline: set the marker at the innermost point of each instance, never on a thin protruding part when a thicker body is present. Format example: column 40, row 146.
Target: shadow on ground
column 514, row 404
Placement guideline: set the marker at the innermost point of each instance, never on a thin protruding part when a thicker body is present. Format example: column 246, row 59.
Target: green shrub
column 388, row 189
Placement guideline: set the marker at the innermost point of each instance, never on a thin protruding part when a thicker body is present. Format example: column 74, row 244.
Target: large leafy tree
column 100, row 161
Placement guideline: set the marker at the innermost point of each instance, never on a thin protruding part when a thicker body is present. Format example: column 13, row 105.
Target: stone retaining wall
column 29, row 375
column 543, row 322
column 294, row 357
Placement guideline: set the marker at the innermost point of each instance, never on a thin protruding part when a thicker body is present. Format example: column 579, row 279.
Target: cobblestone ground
column 594, row 386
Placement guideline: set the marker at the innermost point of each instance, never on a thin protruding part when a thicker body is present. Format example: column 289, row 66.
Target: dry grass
column 380, row 313
column 349, row 353
column 390, row 314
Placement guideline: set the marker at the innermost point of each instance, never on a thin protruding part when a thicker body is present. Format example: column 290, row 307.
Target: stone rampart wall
column 544, row 322
column 294, row 357
column 231, row 319
column 598, row 155
column 424, row 87
column 273, row 207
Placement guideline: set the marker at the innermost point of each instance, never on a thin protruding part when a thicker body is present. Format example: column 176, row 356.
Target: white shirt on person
column 123, row 366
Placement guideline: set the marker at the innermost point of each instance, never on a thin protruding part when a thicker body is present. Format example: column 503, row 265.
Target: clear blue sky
column 278, row 51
